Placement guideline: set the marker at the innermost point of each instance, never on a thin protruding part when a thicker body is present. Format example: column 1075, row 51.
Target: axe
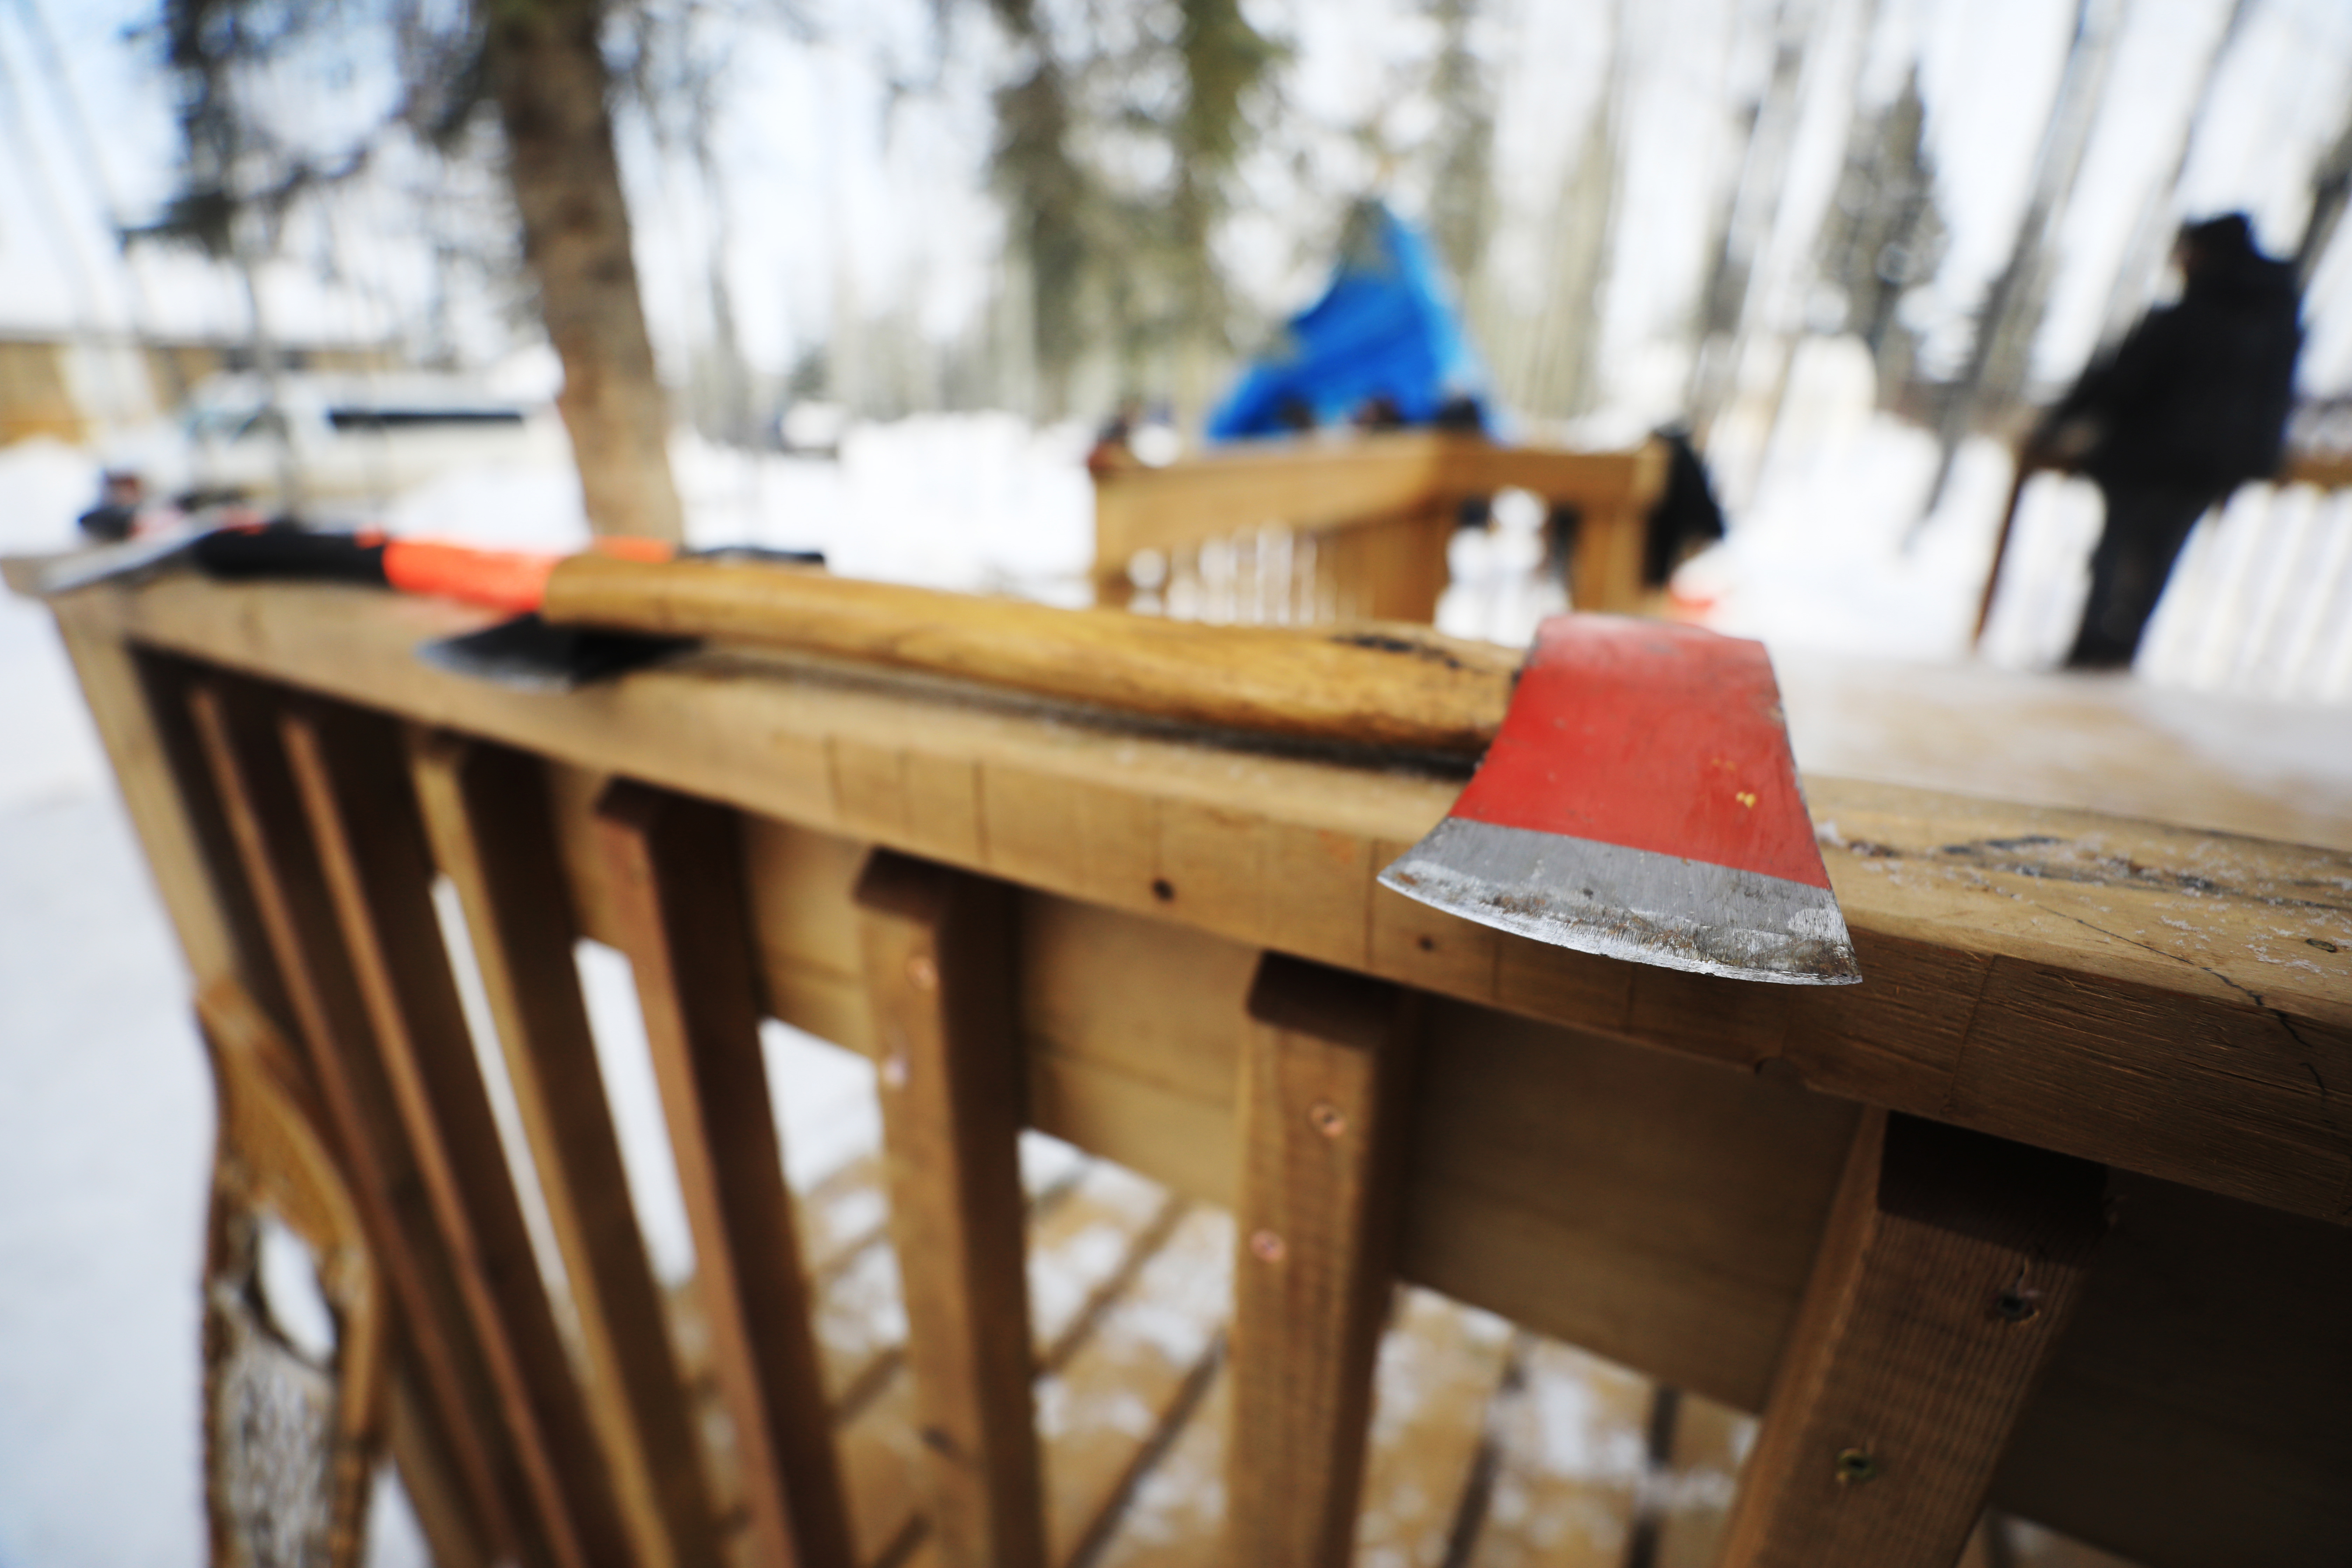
column 1636, row 795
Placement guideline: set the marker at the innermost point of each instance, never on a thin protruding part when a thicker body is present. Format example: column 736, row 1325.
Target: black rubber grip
column 280, row 551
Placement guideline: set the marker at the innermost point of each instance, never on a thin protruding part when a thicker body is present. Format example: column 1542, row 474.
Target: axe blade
column 1641, row 801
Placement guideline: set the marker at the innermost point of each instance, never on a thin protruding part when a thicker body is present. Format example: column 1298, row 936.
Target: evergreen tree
column 1884, row 235
column 538, row 66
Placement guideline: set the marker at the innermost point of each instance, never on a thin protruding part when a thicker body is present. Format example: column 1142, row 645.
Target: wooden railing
column 2260, row 602
column 1313, row 530
column 1870, row 1212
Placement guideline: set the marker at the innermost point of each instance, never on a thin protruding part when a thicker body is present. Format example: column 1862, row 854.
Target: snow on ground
column 105, row 1109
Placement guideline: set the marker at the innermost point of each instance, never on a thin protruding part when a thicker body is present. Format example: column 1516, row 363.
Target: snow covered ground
column 105, row 1109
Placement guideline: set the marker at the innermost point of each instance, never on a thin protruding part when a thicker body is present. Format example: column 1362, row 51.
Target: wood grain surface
column 1381, row 683
column 1949, row 1270
column 937, row 952
column 1325, row 1086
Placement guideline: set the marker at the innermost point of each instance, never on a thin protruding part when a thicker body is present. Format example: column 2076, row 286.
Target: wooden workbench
column 1639, row 1161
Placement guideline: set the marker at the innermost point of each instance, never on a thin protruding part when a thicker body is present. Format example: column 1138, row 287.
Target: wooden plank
column 1097, row 1242
column 1326, row 483
column 1570, row 1436
column 288, row 887
column 349, row 772
column 1949, row 1267
column 2323, row 470
column 938, row 963
column 1116, row 1397
column 1709, row 1444
column 675, row 873
column 1302, row 485
column 1326, row 1072
column 1605, row 570
column 485, row 808
column 1176, row 1516
column 1934, row 886
column 2194, row 1413
column 1441, row 1366
column 429, row 1474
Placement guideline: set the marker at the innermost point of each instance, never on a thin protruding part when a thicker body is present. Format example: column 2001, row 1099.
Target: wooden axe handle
column 1375, row 683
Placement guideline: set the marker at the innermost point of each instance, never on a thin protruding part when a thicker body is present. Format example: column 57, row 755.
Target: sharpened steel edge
column 1634, row 904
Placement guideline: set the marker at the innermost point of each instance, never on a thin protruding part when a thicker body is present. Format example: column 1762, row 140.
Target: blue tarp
column 1383, row 329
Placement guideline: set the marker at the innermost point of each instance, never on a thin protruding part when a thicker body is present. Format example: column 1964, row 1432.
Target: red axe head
column 1640, row 802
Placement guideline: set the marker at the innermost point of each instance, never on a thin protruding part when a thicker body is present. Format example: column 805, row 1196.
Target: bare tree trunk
column 1726, row 317
column 2011, row 316
column 2152, row 240
column 2331, row 183
column 549, row 75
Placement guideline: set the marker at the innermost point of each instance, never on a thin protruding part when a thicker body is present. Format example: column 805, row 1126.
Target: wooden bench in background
column 2052, row 1209
column 1355, row 528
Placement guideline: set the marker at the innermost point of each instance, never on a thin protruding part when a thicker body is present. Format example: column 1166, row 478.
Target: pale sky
column 843, row 205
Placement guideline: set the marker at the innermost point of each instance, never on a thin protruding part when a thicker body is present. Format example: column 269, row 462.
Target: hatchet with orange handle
column 1636, row 796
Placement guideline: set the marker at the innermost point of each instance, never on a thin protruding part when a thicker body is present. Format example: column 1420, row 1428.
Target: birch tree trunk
column 548, row 74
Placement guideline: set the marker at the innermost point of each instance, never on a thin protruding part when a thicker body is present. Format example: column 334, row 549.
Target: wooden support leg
column 677, row 870
column 486, row 808
column 938, row 969
column 1606, row 573
column 1950, row 1267
column 288, row 887
column 1326, row 1065
column 429, row 1473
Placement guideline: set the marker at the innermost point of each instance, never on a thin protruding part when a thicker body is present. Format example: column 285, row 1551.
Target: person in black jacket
column 2192, row 403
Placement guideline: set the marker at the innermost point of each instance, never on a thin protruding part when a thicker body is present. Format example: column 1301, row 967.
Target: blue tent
column 1383, row 329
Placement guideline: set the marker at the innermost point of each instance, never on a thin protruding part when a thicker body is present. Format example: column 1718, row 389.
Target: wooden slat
column 429, row 1474
column 1708, row 1443
column 1175, row 1519
column 282, row 868
column 1605, row 570
column 1303, row 486
column 485, row 808
column 1140, row 1368
column 939, row 971
column 1441, row 1366
column 1950, row 1266
column 350, row 773
column 1325, row 1079
column 1570, row 1433
column 675, row 873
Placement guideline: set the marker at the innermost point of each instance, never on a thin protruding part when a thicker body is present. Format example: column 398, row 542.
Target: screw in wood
column 1326, row 1118
column 1855, row 1465
column 923, row 970
column 2016, row 1305
column 1266, row 1246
